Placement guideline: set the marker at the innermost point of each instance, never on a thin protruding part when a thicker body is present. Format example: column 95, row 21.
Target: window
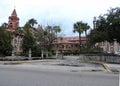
column 62, row 46
column 68, row 46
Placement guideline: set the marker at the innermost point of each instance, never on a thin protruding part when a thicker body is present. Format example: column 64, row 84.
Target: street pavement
column 30, row 75
column 113, row 67
column 67, row 72
column 58, row 65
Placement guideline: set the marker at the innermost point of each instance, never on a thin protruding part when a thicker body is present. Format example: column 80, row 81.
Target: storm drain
column 115, row 70
column 94, row 70
column 73, row 70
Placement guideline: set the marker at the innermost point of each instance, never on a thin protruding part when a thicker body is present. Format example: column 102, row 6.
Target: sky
column 56, row 12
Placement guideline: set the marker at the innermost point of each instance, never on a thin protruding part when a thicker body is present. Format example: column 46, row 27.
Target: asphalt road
column 18, row 76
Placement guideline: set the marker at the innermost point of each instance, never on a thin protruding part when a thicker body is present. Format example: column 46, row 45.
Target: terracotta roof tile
column 69, row 40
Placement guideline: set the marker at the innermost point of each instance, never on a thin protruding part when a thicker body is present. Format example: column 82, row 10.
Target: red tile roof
column 14, row 13
column 69, row 40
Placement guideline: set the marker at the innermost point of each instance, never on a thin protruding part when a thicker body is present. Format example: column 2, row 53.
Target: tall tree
column 78, row 28
column 107, row 27
column 57, row 29
column 5, row 25
column 5, row 41
column 85, row 27
column 39, row 34
column 113, row 24
column 29, row 40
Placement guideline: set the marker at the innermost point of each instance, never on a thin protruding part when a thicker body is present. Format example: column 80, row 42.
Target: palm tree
column 5, row 25
column 85, row 27
column 57, row 29
column 78, row 28
column 32, row 22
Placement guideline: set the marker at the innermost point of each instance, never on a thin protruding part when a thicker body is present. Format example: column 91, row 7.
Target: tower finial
column 14, row 6
column 94, row 22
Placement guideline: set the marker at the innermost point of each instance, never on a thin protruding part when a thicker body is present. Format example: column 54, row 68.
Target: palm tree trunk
column 80, row 42
column 86, row 41
column 57, row 47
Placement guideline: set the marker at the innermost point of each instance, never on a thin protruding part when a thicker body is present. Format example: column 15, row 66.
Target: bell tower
column 13, row 21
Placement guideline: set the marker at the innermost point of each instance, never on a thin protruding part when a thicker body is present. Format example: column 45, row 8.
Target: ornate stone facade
column 108, row 47
column 17, row 43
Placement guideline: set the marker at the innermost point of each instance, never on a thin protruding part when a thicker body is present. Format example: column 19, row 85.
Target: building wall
column 65, row 47
column 113, row 47
column 68, row 44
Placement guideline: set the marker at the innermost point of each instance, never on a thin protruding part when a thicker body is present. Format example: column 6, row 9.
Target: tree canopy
column 107, row 27
column 29, row 40
column 80, row 27
column 5, row 41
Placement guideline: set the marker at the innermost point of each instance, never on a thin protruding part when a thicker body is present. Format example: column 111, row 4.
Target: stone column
column 13, row 53
column 115, row 46
column 42, row 54
column 56, row 53
column 46, row 54
column 106, row 46
column 30, row 54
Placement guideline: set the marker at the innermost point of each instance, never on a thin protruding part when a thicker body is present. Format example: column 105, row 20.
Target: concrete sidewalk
column 52, row 67
column 106, row 67
column 113, row 67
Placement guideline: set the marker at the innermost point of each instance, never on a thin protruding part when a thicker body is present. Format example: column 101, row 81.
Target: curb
column 28, row 61
column 103, row 64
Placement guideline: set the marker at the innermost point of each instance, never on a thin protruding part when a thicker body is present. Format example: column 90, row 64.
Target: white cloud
column 61, row 12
